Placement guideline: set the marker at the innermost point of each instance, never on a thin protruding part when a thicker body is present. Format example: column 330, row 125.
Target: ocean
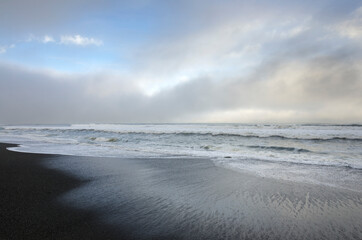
column 319, row 154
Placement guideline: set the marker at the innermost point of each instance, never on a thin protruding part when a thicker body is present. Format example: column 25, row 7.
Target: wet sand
column 164, row 199
column 29, row 207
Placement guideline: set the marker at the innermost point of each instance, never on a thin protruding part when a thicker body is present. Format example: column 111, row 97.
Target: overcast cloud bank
column 239, row 62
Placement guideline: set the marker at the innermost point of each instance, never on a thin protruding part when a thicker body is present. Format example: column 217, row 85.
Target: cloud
column 79, row 40
column 352, row 27
column 235, row 61
column 43, row 39
column 47, row 39
column 3, row 49
column 66, row 40
column 36, row 96
column 232, row 40
column 319, row 88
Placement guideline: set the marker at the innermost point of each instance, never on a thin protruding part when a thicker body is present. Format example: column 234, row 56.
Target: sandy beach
column 29, row 206
column 67, row 197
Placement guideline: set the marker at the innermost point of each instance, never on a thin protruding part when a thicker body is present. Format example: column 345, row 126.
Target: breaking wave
column 290, row 149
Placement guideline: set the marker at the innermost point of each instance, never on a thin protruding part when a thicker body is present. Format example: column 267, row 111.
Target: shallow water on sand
column 194, row 199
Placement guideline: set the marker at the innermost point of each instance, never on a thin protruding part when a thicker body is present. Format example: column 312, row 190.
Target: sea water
column 318, row 154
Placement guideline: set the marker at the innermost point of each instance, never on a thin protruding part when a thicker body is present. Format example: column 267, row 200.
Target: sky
column 156, row 61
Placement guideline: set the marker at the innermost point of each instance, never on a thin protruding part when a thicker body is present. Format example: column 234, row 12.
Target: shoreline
column 29, row 201
column 120, row 198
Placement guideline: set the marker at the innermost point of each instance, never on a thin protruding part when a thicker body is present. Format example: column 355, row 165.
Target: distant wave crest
column 202, row 133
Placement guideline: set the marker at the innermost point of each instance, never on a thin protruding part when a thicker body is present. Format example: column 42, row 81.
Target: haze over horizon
column 180, row 61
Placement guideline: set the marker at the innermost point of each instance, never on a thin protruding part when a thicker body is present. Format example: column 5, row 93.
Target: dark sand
column 29, row 209
column 163, row 199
